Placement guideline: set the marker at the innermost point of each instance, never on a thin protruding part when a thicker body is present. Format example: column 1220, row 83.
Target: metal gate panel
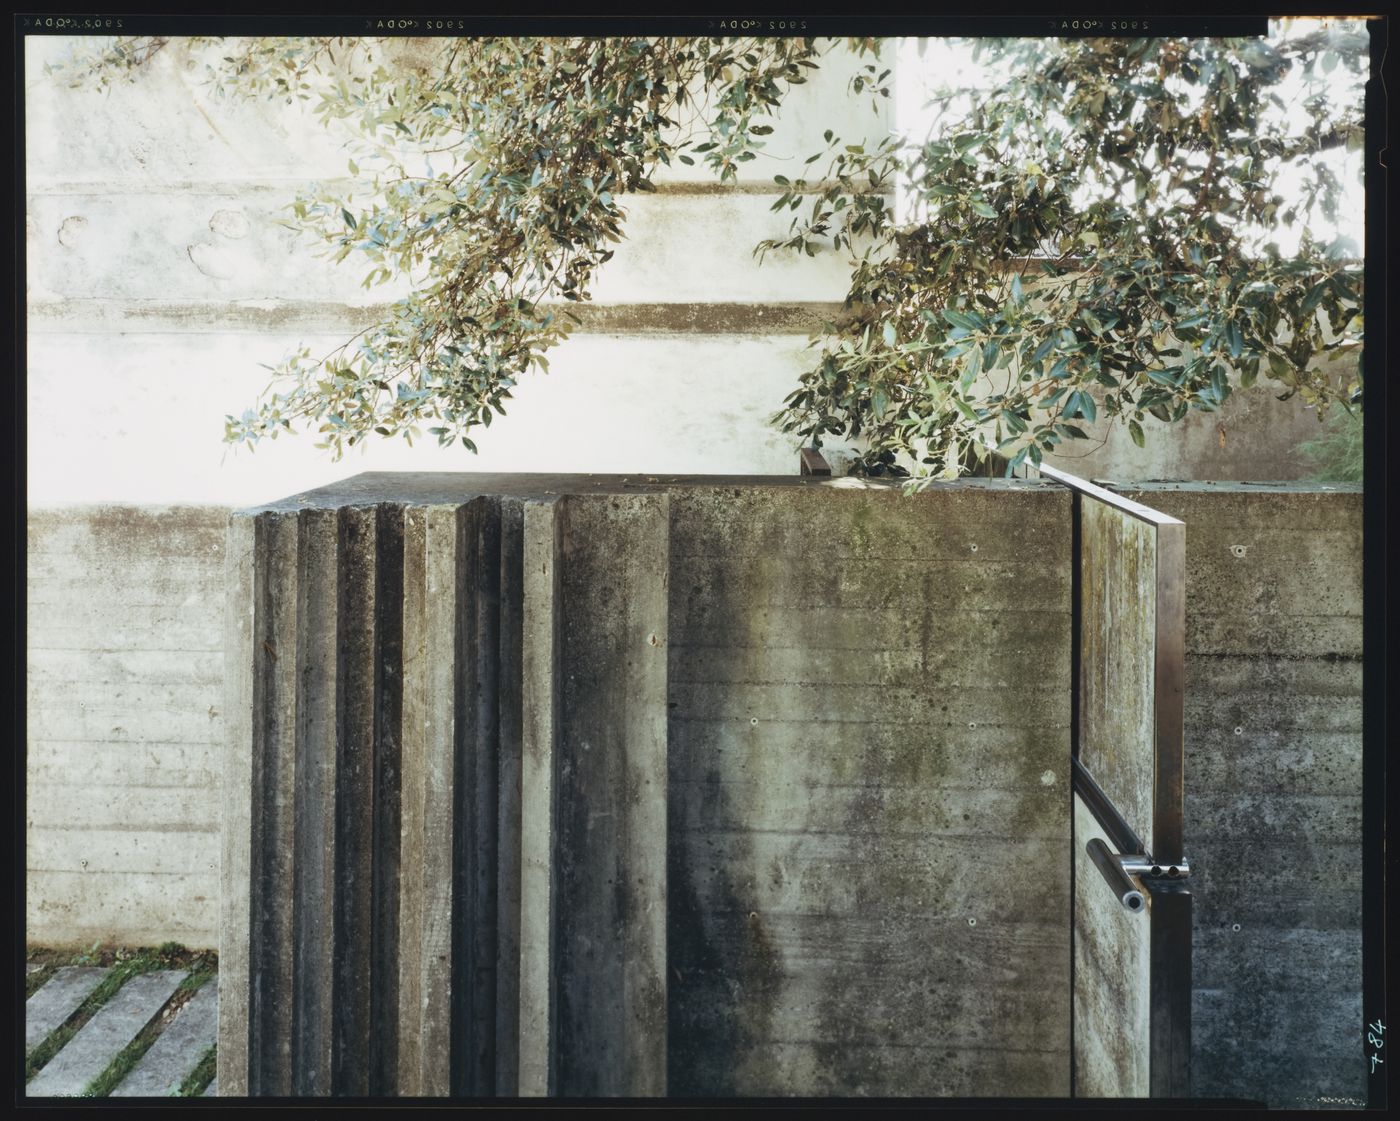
column 1117, row 628
column 1132, row 908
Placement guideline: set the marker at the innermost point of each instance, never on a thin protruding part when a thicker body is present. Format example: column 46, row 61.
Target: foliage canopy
column 1091, row 241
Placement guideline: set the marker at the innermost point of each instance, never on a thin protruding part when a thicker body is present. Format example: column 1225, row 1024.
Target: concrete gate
column 590, row 786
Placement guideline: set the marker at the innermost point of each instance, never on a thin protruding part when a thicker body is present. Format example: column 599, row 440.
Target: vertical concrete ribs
column 413, row 902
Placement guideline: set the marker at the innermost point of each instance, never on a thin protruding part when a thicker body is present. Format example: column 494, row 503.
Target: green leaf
column 982, row 208
column 1135, row 431
column 1234, row 339
column 961, row 319
column 971, row 368
column 349, row 218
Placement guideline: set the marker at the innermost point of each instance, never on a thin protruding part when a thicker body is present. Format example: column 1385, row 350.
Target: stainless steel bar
column 1128, row 892
column 1117, row 501
column 1169, row 687
column 1123, row 836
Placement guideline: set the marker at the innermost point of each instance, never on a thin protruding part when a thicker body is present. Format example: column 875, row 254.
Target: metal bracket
column 1140, row 866
column 1125, row 874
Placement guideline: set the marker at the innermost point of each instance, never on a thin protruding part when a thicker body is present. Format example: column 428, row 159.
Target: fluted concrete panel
column 433, row 548
column 359, row 672
column 540, row 717
column 508, row 828
column 473, row 1047
column 318, row 732
column 610, row 856
column 235, row 869
column 277, row 583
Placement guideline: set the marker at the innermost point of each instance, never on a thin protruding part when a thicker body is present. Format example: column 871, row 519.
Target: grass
column 125, row 964
column 32, row 981
column 199, row 1078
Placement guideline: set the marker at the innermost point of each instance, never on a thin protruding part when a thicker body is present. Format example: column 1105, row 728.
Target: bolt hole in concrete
column 971, row 922
column 1239, row 731
column 1235, row 928
column 753, row 720
column 1239, row 550
column 974, row 548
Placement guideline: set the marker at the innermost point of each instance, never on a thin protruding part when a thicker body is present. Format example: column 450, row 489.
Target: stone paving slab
column 89, row 1052
column 57, row 999
column 177, row 1050
column 212, row 1090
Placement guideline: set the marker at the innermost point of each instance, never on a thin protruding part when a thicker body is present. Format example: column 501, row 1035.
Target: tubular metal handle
column 1112, row 871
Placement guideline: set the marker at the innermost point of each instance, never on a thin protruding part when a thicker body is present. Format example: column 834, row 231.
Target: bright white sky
column 946, row 64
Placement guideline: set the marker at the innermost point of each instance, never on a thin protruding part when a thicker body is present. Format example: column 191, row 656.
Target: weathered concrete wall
column 124, row 708
column 869, row 837
column 1253, row 435
column 893, row 881
column 123, row 642
column 159, row 280
column 1273, row 786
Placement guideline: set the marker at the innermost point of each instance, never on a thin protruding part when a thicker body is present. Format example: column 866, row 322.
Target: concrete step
column 177, row 1050
column 56, row 1000
column 89, row 1052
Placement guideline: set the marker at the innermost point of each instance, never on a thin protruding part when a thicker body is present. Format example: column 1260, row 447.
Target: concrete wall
column 159, row 280
column 124, row 708
column 869, row 873
column 125, row 698
column 755, row 854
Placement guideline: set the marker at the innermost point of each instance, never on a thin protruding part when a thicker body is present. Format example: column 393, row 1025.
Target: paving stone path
column 174, row 1054
column 56, row 1001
